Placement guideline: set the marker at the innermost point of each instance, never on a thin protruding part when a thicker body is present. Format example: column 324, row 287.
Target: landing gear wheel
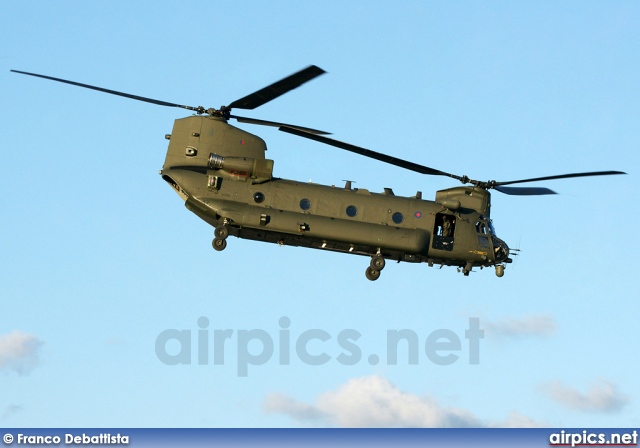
column 219, row 244
column 372, row 274
column 221, row 232
column 377, row 263
column 500, row 270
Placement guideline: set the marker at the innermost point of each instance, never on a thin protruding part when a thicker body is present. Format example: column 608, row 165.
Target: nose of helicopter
column 501, row 250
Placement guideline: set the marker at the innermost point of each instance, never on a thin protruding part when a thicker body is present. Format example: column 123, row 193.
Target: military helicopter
column 222, row 175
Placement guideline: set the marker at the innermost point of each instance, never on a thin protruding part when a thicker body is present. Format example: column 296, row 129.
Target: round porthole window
column 397, row 217
column 305, row 204
column 258, row 197
column 352, row 211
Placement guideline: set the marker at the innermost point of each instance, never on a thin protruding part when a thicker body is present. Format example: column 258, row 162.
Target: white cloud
column 535, row 325
column 601, row 397
column 517, row 420
column 281, row 404
column 19, row 352
column 372, row 401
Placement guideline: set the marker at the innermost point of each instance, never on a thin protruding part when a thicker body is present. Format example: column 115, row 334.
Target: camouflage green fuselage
column 222, row 174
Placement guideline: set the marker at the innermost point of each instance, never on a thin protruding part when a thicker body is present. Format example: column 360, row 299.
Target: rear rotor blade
column 276, row 124
column 371, row 154
column 276, row 89
column 112, row 92
column 561, row 176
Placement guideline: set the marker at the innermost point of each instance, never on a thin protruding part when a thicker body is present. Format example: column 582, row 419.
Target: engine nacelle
column 242, row 168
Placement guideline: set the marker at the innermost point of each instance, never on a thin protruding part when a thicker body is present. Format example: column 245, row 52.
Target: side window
column 305, row 204
column 483, row 241
column 351, row 211
column 397, row 218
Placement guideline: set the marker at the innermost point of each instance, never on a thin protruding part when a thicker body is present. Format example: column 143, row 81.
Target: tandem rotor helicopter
column 222, row 174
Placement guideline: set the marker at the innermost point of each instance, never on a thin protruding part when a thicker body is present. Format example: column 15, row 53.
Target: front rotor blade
column 112, row 92
column 524, row 191
column 561, row 176
column 276, row 124
column 368, row 153
column 277, row 88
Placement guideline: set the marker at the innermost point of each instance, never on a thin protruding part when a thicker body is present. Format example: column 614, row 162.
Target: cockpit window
column 481, row 227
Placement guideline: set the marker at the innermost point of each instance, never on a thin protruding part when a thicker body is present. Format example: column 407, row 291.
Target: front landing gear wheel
column 219, row 244
column 372, row 274
column 377, row 263
column 500, row 270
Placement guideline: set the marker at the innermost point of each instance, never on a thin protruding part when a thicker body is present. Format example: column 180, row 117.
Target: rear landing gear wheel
column 372, row 274
column 500, row 270
column 219, row 244
column 221, row 232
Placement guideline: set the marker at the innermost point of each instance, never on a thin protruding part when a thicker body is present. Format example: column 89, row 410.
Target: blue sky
column 100, row 257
